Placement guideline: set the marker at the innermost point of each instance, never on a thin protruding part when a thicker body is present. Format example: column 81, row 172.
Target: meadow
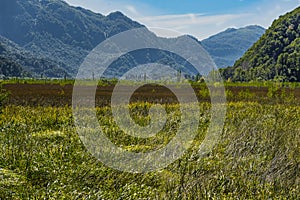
column 257, row 157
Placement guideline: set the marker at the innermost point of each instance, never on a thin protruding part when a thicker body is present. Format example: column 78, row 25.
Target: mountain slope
column 52, row 29
column 55, row 30
column 17, row 62
column 228, row 46
column 275, row 56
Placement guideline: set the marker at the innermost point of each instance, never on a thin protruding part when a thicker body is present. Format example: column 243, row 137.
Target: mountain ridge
column 228, row 46
column 55, row 31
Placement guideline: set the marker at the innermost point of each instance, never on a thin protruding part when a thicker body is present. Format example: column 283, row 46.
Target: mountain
column 7, row 66
column 228, row 46
column 57, row 37
column 276, row 55
column 52, row 29
column 17, row 62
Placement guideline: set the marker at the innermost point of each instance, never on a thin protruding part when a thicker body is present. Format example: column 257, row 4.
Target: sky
column 200, row 18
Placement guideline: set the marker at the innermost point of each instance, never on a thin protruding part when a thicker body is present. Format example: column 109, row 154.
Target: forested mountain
column 52, row 29
column 230, row 45
column 52, row 38
column 7, row 66
column 17, row 62
column 276, row 55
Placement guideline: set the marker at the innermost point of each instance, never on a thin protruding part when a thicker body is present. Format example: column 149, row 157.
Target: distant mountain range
column 228, row 46
column 51, row 38
column 275, row 56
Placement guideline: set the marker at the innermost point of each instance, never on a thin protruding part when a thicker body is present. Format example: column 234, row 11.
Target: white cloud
column 132, row 9
column 197, row 24
column 203, row 26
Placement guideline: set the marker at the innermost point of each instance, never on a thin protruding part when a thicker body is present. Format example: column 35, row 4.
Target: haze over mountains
column 51, row 38
column 228, row 46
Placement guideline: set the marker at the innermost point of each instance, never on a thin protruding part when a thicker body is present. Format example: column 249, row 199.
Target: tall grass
column 258, row 157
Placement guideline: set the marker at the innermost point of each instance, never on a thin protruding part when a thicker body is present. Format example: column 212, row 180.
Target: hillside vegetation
column 275, row 56
column 17, row 62
column 54, row 30
column 57, row 37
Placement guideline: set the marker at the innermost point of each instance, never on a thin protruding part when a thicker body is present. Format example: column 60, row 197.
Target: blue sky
column 200, row 18
column 196, row 6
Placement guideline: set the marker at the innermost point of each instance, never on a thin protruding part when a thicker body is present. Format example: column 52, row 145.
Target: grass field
column 257, row 157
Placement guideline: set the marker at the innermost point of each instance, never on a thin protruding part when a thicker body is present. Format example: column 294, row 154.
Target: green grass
column 105, row 82
column 37, row 81
column 258, row 157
